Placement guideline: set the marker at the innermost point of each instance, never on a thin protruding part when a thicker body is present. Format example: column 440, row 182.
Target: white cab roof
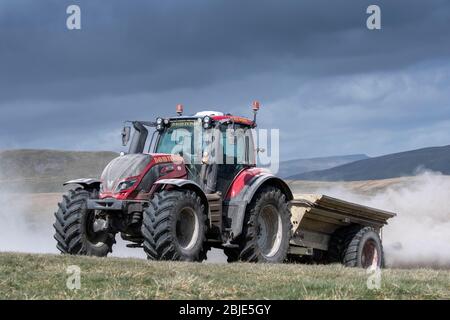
column 208, row 113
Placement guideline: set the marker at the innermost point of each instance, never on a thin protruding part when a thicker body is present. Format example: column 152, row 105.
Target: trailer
column 323, row 228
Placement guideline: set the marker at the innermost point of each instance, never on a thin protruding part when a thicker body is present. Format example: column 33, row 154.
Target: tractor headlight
column 160, row 123
column 207, row 121
column 124, row 185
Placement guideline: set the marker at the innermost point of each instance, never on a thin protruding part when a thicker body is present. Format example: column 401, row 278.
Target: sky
column 327, row 82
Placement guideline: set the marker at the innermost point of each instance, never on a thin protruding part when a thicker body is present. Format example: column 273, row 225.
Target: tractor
column 193, row 186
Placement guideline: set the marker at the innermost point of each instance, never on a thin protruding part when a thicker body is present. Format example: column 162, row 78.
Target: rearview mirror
column 126, row 131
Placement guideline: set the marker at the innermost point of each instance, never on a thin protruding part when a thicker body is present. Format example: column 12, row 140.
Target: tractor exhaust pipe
column 139, row 138
column 255, row 107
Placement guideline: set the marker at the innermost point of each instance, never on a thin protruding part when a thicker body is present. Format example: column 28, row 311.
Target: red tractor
column 177, row 203
column 200, row 188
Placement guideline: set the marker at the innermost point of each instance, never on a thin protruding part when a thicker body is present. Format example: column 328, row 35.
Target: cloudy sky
column 327, row 82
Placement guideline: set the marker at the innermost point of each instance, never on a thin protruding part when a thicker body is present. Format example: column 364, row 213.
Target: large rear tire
column 74, row 226
column 267, row 229
column 174, row 227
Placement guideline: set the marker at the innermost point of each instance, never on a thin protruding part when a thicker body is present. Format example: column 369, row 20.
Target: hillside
column 46, row 170
column 385, row 167
column 364, row 188
column 297, row 166
column 114, row 278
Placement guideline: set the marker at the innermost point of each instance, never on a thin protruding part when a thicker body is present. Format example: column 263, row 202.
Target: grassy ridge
column 46, row 170
column 27, row 276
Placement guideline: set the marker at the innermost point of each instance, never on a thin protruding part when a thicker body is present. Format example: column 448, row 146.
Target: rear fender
column 235, row 207
column 86, row 183
column 186, row 185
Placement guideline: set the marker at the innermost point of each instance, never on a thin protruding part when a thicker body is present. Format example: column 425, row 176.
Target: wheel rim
column 187, row 228
column 369, row 256
column 96, row 238
column 270, row 231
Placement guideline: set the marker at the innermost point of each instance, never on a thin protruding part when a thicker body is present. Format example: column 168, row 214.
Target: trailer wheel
column 364, row 249
column 267, row 228
column 174, row 227
column 76, row 228
column 357, row 246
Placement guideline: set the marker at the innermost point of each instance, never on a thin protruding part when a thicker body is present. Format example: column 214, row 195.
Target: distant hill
column 389, row 166
column 297, row 166
column 46, row 170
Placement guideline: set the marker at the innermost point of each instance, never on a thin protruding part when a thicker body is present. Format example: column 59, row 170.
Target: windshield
column 179, row 138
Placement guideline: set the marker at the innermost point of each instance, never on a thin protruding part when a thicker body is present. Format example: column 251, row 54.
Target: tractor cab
column 214, row 146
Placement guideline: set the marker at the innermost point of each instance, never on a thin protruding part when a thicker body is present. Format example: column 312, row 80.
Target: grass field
column 27, row 276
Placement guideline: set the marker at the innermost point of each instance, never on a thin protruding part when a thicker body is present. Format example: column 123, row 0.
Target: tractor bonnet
column 123, row 167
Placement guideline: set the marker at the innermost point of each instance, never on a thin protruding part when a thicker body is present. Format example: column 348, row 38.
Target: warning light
column 255, row 105
column 179, row 109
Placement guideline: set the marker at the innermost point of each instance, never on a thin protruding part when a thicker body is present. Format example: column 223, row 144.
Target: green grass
column 27, row 276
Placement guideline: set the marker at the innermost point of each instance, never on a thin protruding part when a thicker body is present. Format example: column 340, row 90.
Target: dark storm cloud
column 152, row 46
column 134, row 59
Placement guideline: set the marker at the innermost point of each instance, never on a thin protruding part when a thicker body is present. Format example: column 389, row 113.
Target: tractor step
column 134, row 245
column 215, row 211
column 230, row 245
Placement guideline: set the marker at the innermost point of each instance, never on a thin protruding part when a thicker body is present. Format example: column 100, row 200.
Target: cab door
column 237, row 151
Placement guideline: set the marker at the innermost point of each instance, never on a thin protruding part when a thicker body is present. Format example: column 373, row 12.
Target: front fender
column 186, row 184
column 87, row 183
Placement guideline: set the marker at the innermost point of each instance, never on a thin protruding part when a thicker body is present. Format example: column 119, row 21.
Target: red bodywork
column 178, row 172
column 241, row 180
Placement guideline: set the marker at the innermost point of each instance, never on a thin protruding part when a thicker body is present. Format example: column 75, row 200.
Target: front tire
column 267, row 228
column 174, row 227
column 74, row 231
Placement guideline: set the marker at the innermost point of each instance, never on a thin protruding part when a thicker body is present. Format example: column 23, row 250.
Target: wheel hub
column 187, row 228
column 269, row 231
column 96, row 229
column 370, row 256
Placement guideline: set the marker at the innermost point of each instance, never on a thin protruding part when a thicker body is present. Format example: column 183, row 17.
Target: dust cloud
column 22, row 228
column 419, row 236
